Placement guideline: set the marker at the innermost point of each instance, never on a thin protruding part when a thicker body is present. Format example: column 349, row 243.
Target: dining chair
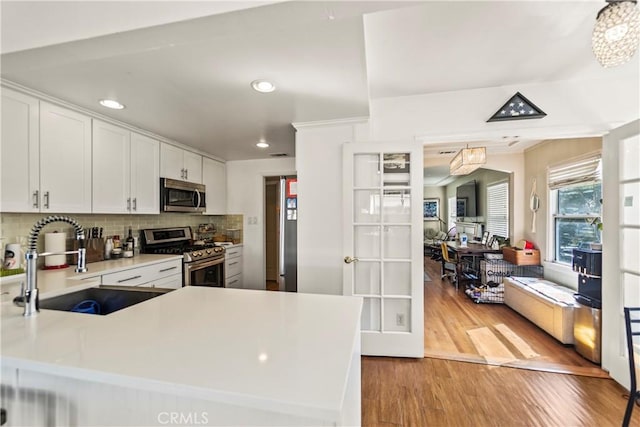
column 449, row 265
column 632, row 323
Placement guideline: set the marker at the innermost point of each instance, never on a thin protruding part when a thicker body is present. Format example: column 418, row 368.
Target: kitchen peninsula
column 202, row 356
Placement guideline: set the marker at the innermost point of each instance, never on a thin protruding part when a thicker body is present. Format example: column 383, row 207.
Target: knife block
column 95, row 251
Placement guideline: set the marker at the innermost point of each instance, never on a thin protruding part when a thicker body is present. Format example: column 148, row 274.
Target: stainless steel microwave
column 182, row 196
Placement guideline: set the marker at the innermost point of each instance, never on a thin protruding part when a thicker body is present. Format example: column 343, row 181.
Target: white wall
column 245, row 195
column 319, row 165
column 579, row 108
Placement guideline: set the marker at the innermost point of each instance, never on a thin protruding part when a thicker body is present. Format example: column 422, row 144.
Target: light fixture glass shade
column 467, row 160
column 616, row 34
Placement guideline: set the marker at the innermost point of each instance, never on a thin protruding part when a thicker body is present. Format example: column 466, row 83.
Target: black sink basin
column 101, row 300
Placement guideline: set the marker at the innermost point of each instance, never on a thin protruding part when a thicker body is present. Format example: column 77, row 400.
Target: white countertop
column 56, row 282
column 259, row 349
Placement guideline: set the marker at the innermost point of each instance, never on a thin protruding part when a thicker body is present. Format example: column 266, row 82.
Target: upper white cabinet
column 125, row 171
column 214, row 177
column 65, row 160
column 19, row 153
column 176, row 163
column 145, row 174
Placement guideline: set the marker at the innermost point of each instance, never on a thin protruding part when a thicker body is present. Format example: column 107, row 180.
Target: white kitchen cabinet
column 145, row 174
column 125, row 171
column 171, row 282
column 193, row 167
column 19, row 153
column 149, row 274
column 233, row 267
column 214, row 177
column 65, row 160
column 176, row 163
column 111, row 168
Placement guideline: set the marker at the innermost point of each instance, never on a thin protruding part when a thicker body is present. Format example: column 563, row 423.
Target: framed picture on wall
column 431, row 209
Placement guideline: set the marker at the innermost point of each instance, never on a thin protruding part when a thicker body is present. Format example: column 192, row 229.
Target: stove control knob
column 198, row 254
column 208, row 251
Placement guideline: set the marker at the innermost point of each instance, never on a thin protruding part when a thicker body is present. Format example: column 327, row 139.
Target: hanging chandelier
column 467, row 160
column 616, row 34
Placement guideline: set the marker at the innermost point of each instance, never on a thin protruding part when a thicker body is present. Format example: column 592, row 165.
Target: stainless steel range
column 203, row 264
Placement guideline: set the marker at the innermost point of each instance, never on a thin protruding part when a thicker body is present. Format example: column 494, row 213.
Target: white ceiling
column 189, row 80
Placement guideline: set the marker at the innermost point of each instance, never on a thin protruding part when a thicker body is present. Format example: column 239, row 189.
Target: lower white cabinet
column 233, row 267
column 171, row 282
column 167, row 273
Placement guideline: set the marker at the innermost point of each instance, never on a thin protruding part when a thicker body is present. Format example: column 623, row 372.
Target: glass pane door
column 384, row 200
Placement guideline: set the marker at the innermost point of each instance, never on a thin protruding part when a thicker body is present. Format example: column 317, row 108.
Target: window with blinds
column 498, row 209
column 586, row 169
column 575, row 195
column 452, row 213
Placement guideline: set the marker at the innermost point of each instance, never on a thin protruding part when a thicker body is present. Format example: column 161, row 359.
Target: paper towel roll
column 55, row 242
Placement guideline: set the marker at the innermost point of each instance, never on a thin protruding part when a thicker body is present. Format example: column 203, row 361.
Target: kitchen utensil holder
column 95, row 251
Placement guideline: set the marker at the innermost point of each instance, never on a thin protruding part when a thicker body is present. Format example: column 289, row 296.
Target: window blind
column 587, row 169
column 452, row 213
column 498, row 209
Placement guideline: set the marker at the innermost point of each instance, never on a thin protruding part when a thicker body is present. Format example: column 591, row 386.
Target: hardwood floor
column 437, row 391
column 456, row 328
column 272, row 285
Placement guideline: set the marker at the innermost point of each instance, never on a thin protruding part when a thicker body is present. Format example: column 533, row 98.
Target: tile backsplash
column 15, row 227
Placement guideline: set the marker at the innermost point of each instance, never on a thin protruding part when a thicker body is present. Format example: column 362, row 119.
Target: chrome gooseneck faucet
column 30, row 293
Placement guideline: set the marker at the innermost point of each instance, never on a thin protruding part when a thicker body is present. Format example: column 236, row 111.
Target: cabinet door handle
column 129, row 204
column 186, row 174
column 135, row 203
column 182, row 173
column 232, row 263
column 232, row 253
column 233, row 282
column 46, row 200
column 168, row 269
column 36, row 198
column 130, row 278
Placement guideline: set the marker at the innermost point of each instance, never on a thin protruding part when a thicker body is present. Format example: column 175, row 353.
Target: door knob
column 349, row 260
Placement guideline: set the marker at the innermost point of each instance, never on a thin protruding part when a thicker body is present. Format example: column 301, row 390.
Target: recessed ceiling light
column 110, row 103
column 263, row 86
column 262, row 144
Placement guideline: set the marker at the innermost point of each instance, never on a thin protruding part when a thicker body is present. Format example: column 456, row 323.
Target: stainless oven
column 208, row 272
column 181, row 196
column 202, row 263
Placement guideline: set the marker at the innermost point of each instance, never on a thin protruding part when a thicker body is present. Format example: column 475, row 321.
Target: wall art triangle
column 517, row 108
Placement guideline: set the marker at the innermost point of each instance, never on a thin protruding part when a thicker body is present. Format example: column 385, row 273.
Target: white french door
column 383, row 244
column 621, row 234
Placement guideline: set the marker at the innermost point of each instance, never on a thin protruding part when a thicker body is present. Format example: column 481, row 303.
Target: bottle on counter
column 128, row 245
column 108, row 247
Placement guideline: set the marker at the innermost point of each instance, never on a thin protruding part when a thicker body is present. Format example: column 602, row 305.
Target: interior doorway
column 281, row 218
column 272, row 225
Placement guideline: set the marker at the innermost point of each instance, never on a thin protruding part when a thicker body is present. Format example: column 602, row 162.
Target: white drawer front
column 232, row 267
column 140, row 275
column 172, row 282
column 233, row 252
column 234, row 282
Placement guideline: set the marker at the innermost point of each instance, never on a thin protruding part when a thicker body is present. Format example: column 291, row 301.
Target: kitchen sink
column 101, row 300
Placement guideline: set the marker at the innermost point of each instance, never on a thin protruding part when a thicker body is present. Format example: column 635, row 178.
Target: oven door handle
column 200, row 265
